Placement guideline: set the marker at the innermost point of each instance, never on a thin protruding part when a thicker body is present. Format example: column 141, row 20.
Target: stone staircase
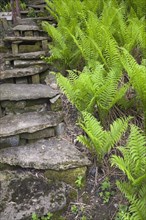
column 36, row 161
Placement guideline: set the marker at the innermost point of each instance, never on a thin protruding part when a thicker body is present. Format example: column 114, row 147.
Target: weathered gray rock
column 21, row 80
column 26, row 56
column 25, row 21
column 28, row 122
column 12, row 105
column 41, row 6
column 16, row 92
column 45, row 133
column 49, row 79
column 56, row 103
column 21, row 72
column 37, row 2
column 26, row 28
column 54, row 154
column 19, row 107
column 26, row 38
column 29, row 48
column 19, row 110
column 23, row 193
column 60, row 129
column 68, row 176
column 24, row 63
column 1, row 112
column 36, row 19
column 12, row 141
column 6, row 15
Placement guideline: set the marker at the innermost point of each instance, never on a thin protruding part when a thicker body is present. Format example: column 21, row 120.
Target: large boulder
column 23, row 193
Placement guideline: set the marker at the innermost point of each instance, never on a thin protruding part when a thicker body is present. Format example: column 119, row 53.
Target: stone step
column 6, row 15
column 36, row 2
column 52, row 154
column 26, row 28
column 28, row 122
column 26, row 12
column 26, row 56
column 17, row 92
column 26, row 63
column 25, row 39
column 21, row 72
column 24, row 193
column 41, row 7
column 25, row 20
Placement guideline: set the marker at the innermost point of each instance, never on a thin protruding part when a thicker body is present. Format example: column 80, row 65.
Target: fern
column 98, row 139
column 133, row 164
column 86, row 32
column 93, row 89
column 137, row 74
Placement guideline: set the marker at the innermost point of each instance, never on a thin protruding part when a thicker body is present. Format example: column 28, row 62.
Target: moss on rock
column 29, row 48
column 67, row 176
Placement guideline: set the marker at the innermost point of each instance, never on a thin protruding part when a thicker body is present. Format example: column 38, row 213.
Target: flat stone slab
column 36, row 2
column 26, row 38
column 26, row 28
column 42, row 6
column 25, row 56
column 48, row 18
column 17, row 92
column 28, row 122
column 7, row 15
column 52, row 154
column 21, row 72
column 26, row 63
column 23, row 193
column 12, row 141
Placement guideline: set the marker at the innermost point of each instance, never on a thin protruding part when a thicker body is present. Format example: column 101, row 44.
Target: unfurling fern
column 133, row 164
column 99, row 140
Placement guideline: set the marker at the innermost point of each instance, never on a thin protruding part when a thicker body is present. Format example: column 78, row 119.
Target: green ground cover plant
column 99, row 47
column 5, row 6
column 93, row 90
column 133, row 164
column 99, row 140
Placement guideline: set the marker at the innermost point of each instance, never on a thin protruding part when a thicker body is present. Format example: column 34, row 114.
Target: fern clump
column 101, row 47
column 133, row 164
column 99, row 140
column 137, row 75
column 93, row 89
column 87, row 32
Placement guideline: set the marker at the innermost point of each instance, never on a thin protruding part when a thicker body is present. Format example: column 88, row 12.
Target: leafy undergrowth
column 99, row 48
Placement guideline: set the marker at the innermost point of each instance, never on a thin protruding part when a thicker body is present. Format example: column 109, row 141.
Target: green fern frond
column 133, row 164
column 117, row 129
column 93, row 87
column 136, row 198
column 66, row 87
column 120, row 163
column 137, row 74
column 99, row 139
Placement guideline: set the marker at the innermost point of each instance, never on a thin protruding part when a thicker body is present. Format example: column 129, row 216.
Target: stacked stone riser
column 19, row 97
column 32, row 127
